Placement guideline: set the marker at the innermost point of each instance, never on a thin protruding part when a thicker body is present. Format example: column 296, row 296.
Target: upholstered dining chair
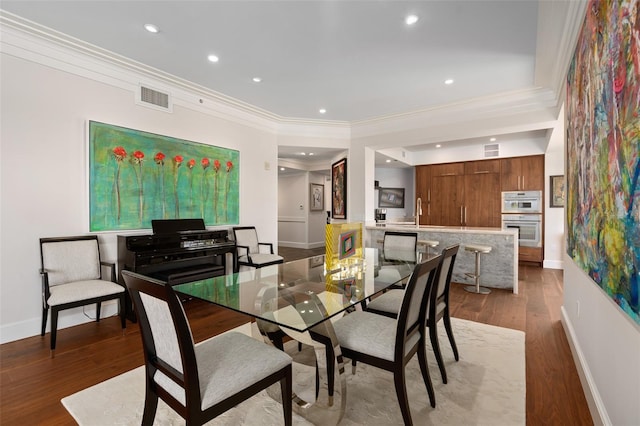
column 399, row 245
column 71, row 272
column 389, row 303
column 389, row 343
column 248, row 252
column 200, row 381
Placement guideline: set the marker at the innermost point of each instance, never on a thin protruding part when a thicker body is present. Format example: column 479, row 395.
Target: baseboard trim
column 553, row 264
column 305, row 246
column 68, row 318
column 596, row 405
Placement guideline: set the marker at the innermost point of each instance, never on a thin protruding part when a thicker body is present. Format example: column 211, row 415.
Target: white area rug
column 486, row 387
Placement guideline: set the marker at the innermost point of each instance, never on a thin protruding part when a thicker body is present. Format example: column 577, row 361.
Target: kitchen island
column 499, row 268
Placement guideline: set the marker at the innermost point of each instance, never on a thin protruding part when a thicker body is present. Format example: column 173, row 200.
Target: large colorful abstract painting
column 135, row 176
column 603, row 151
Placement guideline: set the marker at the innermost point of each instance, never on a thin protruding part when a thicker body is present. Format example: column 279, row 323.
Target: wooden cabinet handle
column 461, row 222
column 448, row 174
column 465, row 215
column 481, row 172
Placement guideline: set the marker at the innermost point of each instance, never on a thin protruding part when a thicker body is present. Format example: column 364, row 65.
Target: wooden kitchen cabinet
column 447, row 200
column 522, row 173
column 482, row 200
column 447, row 194
column 530, row 254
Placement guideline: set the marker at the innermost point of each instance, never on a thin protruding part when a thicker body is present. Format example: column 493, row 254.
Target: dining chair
column 199, row 381
column 389, row 343
column 388, row 304
column 71, row 271
column 248, row 251
column 398, row 246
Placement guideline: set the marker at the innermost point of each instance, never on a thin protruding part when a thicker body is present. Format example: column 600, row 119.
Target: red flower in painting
column 205, row 163
column 120, row 153
column 191, row 163
column 159, row 158
column 178, row 159
column 216, row 165
column 138, row 156
column 229, row 166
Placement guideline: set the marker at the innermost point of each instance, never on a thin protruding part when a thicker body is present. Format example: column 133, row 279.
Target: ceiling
column 359, row 60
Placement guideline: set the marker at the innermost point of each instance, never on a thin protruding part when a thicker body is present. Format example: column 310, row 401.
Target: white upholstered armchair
column 72, row 276
column 249, row 251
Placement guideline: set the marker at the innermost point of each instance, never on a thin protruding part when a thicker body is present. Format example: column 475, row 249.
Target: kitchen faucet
column 418, row 210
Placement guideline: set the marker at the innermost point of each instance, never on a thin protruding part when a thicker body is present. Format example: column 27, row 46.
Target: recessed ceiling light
column 151, row 28
column 303, row 153
column 311, row 153
column 322, row 111
column 388, row 161
column 438, row 146
column 213, row 58
column 448, row 81
column 257, row 79
column 492, row 139
column 411, row 19
column 282, row 169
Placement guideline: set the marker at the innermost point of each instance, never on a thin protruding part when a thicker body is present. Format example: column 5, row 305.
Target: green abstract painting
column 136, row 176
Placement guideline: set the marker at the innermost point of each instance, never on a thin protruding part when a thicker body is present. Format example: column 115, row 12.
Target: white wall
column 43, row 172
column 292, row 209
column 554, row 218
column 388, row 177
column 606, row 347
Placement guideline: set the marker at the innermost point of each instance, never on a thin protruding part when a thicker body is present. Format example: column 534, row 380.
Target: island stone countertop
column 499, row 268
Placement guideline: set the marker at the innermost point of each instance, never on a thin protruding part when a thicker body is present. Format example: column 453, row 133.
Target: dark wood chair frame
column 97, row 300
column 188, row 380
column 404, row 333
column 433, row 316
column 401, row 234
column 250, row 263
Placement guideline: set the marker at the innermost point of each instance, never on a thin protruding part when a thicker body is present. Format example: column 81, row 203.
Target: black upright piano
column 178, row 251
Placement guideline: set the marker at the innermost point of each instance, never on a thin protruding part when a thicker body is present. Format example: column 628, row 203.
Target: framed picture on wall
column 391, row 198
column 556, row 188
column 316, row 201
column 339, row 189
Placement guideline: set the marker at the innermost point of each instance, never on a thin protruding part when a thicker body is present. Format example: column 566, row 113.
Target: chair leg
column 401, row 391
column 123, row 317
column 447, row 326
column 98, row 306
column 45, row 314
column 150, row 407
column 353, row 366
column 433, row 334
column 422, row 359
column 54, row 328
column 286, row 387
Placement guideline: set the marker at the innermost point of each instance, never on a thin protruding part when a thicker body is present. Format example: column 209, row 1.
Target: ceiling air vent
column 154, row 99
column 491, row 150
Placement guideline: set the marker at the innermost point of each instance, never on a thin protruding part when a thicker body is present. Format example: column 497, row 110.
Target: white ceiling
column 357, row 59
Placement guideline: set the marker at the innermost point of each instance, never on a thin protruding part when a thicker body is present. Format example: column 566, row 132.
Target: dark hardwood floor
column 32, row 384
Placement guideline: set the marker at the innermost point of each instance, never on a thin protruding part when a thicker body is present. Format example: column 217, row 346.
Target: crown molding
column 530, row 100
column 31, row 41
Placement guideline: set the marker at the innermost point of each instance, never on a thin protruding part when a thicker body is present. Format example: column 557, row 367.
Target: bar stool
column 478, row 250
column 430, row 244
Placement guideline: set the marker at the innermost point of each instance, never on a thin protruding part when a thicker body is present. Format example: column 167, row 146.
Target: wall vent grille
column 154, row 99
column 491, row 150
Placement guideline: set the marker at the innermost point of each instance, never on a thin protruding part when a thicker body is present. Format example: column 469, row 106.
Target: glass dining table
column 298, row 300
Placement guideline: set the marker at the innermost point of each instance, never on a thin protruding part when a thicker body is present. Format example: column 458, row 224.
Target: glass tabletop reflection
column 303, row 293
